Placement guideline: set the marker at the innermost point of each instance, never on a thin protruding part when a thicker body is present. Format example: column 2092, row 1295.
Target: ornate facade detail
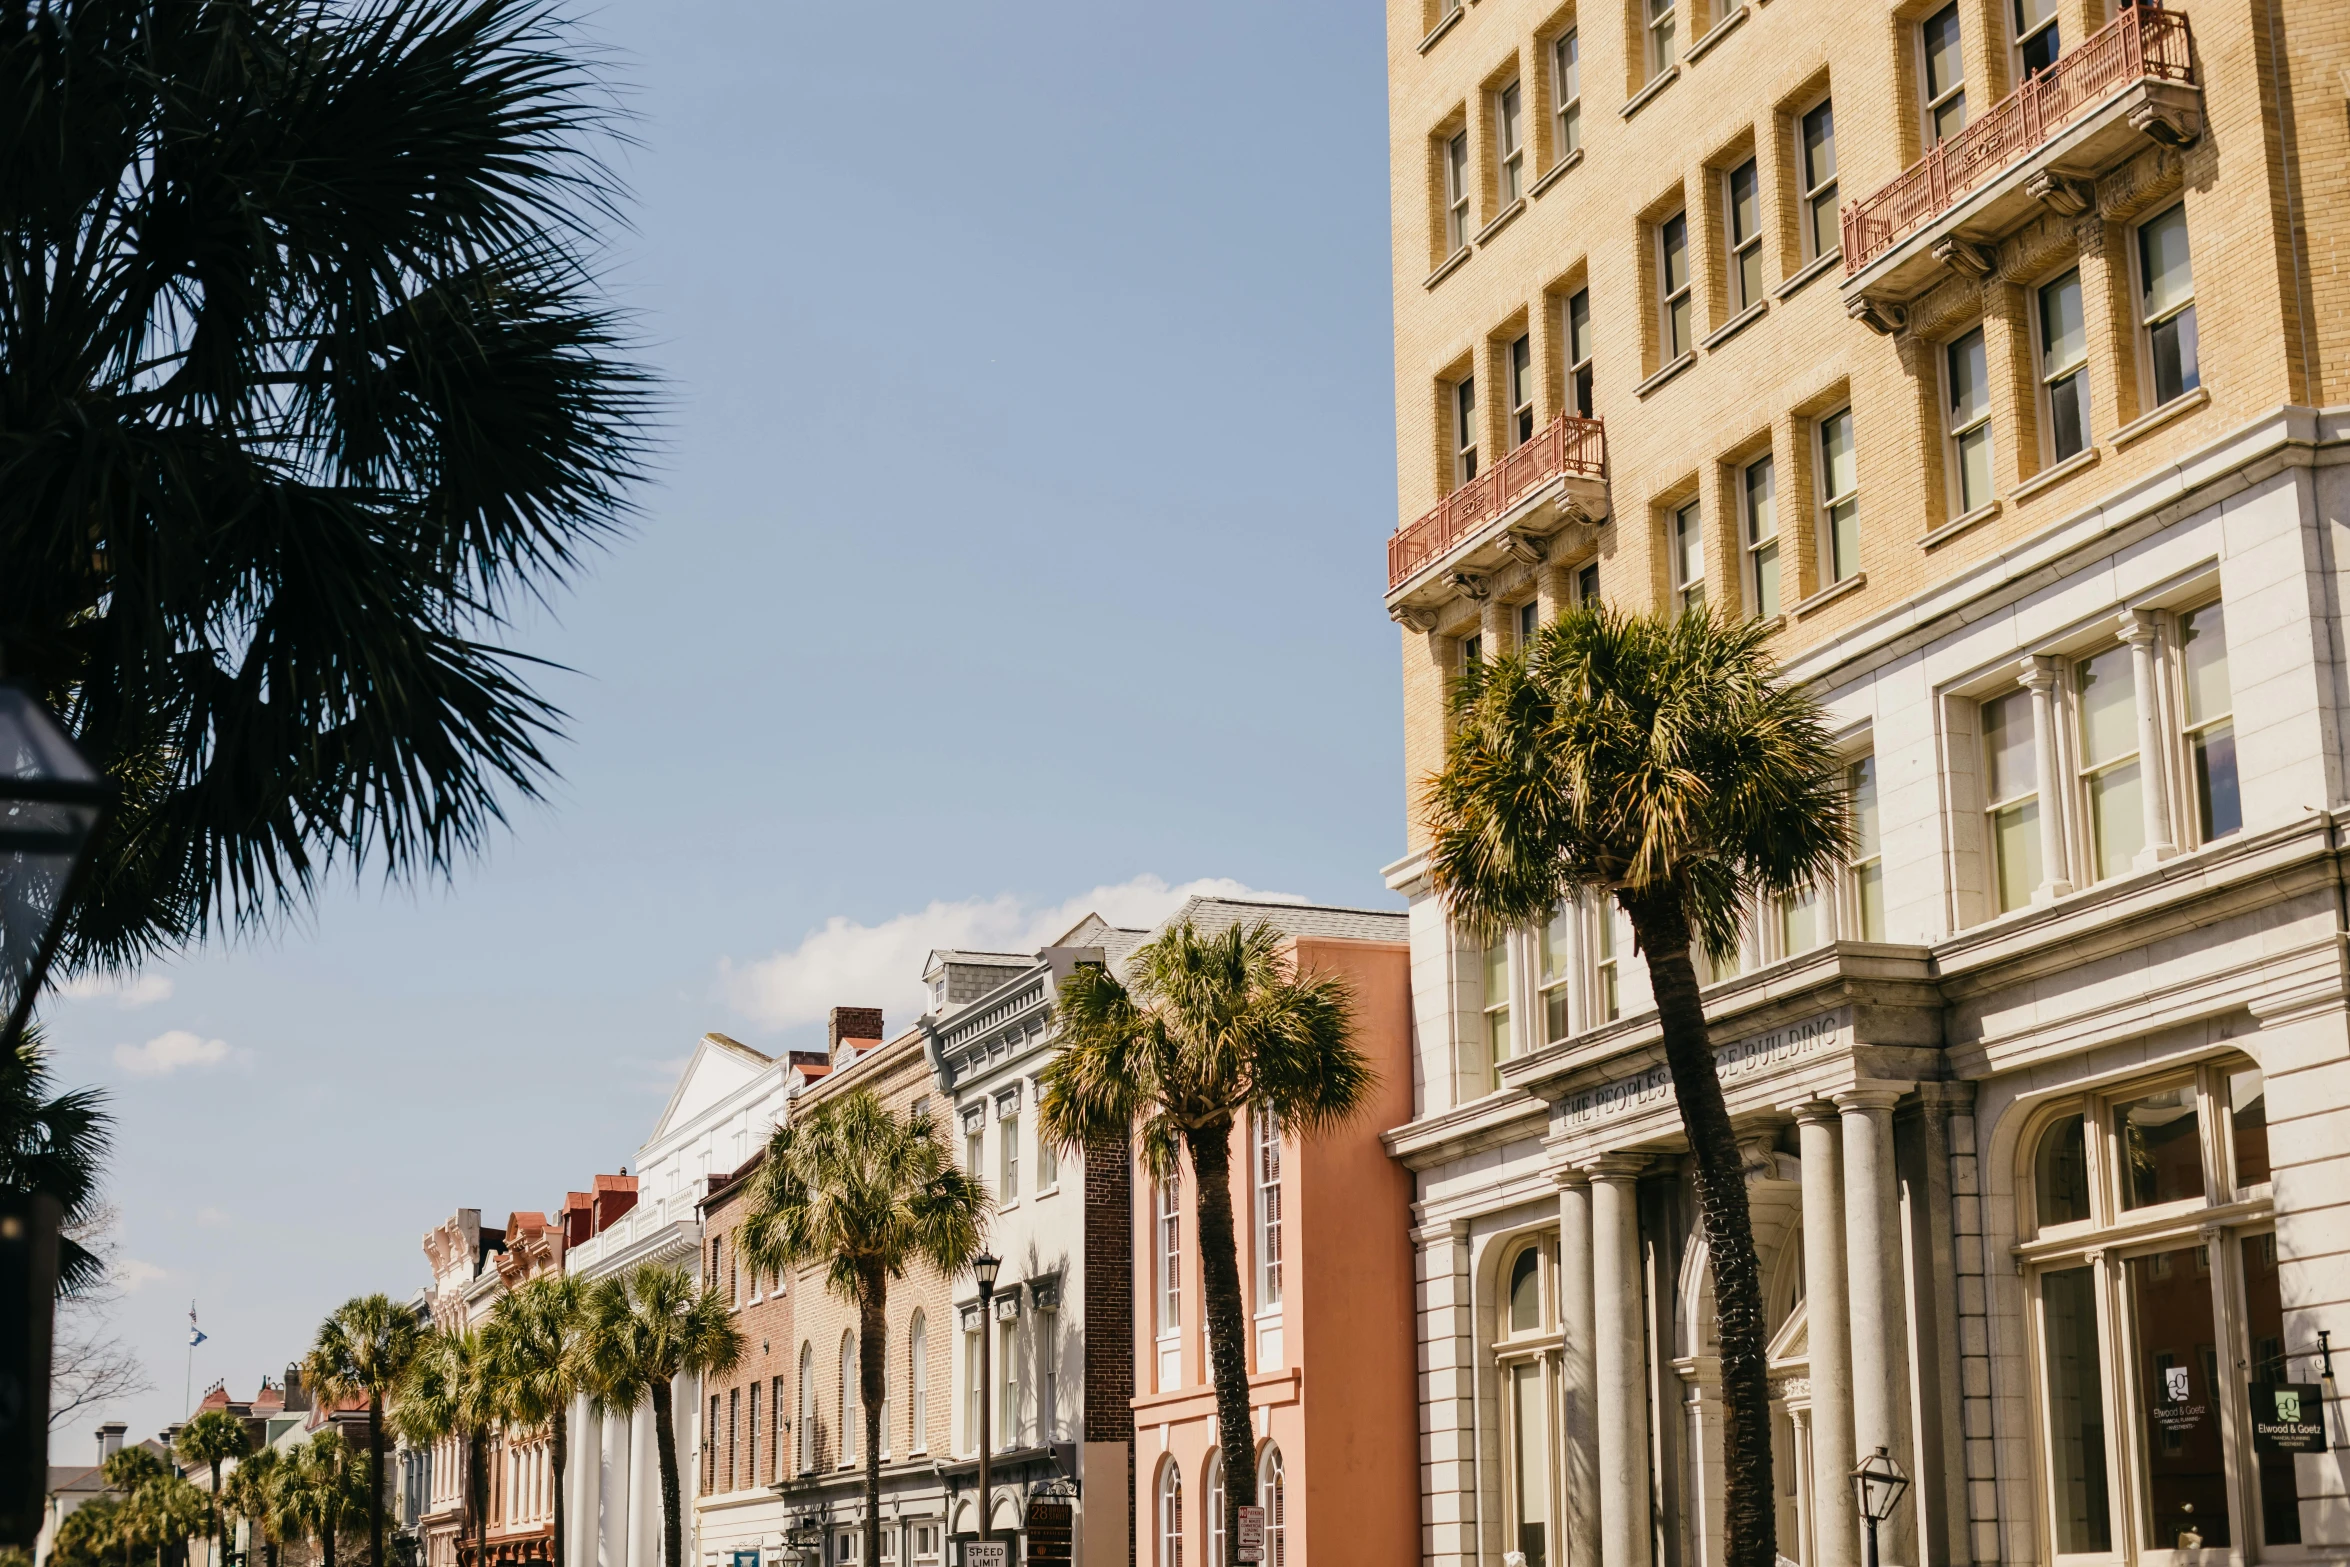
column 2061, row 193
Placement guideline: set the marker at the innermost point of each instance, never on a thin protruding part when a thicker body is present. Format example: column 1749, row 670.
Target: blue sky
column 1016, row 548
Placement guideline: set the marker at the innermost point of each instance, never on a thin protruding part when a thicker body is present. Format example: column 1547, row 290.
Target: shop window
column 1527, row 1352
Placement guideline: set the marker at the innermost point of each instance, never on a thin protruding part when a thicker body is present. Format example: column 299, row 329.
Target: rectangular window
column 1605, row 1003
column 1007, row 1355
column 2037, row 39
column 1758, row 495
column 775, row 1443
column 975, row 1145
column 1969, row 420
column 1566, row 81
column 2166, row 299
column 1007, row 1128
column 1743, row 213
column 1497, row 1000
column 2105, row 688
column 1818, row 156
column 1672, row 285
column 1839, row 496
column 1660, row 38
column 710, row 1454
column 1557, row 953
column 2210, row 721
column 1268, row 1193
column 1579, row 351
column 1587, row 584
column 1048, row 1161
column 1685, row 550
column 1530, row 1474
column 2186, row 1468
column 1464, row 430
column 1799, row 921
column 751, row 1439
column 1521, row 390
column 1866, row 870
column 1170, row 1248
column 2012, row 791
column 971, row 1386
column 1456, row 193
column 2074, row 1377
column 2279, row 1498
column 1509, row 136
column 2064, row 366
column 1529, row 620
column 1472, row 651
column 1945, row 75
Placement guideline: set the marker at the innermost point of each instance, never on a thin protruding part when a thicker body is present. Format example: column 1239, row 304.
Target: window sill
column 1735, row 325
column 1830, row 594
column 1441, row 28
column 1664, row 79
column 1501, row 220
column 1811, row 269
column 1571, row 160
column 1958, row 525
column 1666, row 374
column 2147, row 424
column 1720, row 30
column 1042, row 1192
column 1008, row 1205
column 1448, row 266
column 2086, row 457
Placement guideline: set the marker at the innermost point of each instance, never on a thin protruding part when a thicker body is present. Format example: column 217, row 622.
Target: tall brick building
column 1993, row 351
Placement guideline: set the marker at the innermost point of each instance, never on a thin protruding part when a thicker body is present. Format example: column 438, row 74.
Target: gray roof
column 982, row 959
column 1296, row 919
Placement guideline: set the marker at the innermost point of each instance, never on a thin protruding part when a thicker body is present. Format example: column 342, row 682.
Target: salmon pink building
column 1326, row 1274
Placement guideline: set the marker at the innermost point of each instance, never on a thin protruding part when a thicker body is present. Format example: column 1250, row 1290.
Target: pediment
column 1790, row 1348
column 719, row 1067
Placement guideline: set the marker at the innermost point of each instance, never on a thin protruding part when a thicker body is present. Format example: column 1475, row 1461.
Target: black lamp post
column 1877, row 1485
column 51, row 802
column 984, row 1268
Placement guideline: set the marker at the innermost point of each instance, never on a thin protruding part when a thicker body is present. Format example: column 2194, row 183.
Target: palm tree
column 644, row 1332
column 319, row 1490
column 209, row 1440
column 537, row 1349
column 251, row 1494
column 258, row 525
column 54, row 1143
column 448, row 1393
column 1207, row 1028
column 88, row 1535
column 854, row 1188
column 362, row 1350
column 1661, row 762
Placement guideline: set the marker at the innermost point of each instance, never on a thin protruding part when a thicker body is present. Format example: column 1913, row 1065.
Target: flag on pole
column 196, row 1334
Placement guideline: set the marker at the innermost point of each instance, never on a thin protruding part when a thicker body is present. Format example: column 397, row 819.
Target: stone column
column 2153, row 776
column 1620, row 1362
column 1880, row 1322
column 1578, row 1323
column 644, row 1490
column 1835, row 1526
column 2055, row 878
column 612, row 1515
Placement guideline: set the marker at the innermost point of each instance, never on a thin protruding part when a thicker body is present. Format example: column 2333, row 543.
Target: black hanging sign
column 2288, row 1417
column 1051, row 1527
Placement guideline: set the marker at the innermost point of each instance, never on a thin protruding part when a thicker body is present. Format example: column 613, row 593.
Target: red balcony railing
column 1566, row 445
column 2142, row 42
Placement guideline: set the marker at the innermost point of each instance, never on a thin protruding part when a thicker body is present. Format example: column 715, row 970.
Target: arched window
column 1526, row 1291
column 918, row 1380
column 1170, row 1510
column 1212, row 1503
column 1272, row 1488
column 807, row 1438
column 848, row 1398
column 2060, row 1172
column 1527, row 1352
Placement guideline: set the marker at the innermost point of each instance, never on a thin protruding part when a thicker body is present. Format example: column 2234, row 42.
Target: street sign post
column 1252, row 1534
column 987, row 1553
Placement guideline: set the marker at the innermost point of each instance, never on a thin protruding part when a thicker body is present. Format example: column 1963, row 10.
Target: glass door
column 2184, row 1505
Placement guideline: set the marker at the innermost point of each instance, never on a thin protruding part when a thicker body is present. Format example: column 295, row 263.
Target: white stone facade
column 2068, row 1169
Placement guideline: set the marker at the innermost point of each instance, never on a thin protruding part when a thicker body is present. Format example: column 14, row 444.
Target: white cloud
column 168, row 1052
column 131, row 1275
column 847, row 964
column 129, row 992
column 211, row 1218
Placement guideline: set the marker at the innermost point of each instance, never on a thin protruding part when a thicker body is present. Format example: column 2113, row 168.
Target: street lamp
column 984, row 1268
column 51, row 802
column 1877, row 1485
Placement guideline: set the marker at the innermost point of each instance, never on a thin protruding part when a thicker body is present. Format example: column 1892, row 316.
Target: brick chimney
column 857, row 1026
column 110, row 1437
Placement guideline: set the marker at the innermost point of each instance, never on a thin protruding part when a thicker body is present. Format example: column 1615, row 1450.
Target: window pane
column 1836, row 454
column 1950, row 117
column 2063, row 342
column 2015, row 837
column 1819, row 146
column 1799, row 922
column 1497, row 999
column 2171, row 345
column 2109, row 706
column 1675, row 236
column 1579, row 325
column 1745, row 213
column 1974, row 468
column 2203, row 651
column 1944, row 67
column 2060, row 1172
column 2178, row 1359
column 2264, row 1325
column 2117, row 818
column 1526, row 1292
column 1533, row 1465
column 2161, row 1154
column 2167, row 278
column 1766, row 581
column 1762, row 507
column 2007, row 746
column 1970, row 381
column 2076, row 1411
column 2068, row 415
column 2248, row 1121
column 1843, row 539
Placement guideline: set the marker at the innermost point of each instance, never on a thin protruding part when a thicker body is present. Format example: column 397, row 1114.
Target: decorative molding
column 2039, row 245
column 2061, row 193
column 1881, row 316
column 2168, row 121
column 1965, row 257
column 1412, row 617
column 2138, row 184
column 1472, row 586
column 1524, row 548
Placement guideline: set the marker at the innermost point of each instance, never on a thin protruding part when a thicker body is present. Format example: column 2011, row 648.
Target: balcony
column 2132, row 82
column 1510, row 511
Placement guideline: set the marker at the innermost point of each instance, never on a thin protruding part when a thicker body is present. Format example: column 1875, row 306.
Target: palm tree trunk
column 665, row 1444
column 219, row 1524
column 872, row 1389
column 477, row 1486
column 559, row 1452
column 1661, row 922
column 375, row 1480
column 1219, row 1264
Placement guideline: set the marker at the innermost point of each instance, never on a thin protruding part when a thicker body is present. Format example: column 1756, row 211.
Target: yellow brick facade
column 2270, row 235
